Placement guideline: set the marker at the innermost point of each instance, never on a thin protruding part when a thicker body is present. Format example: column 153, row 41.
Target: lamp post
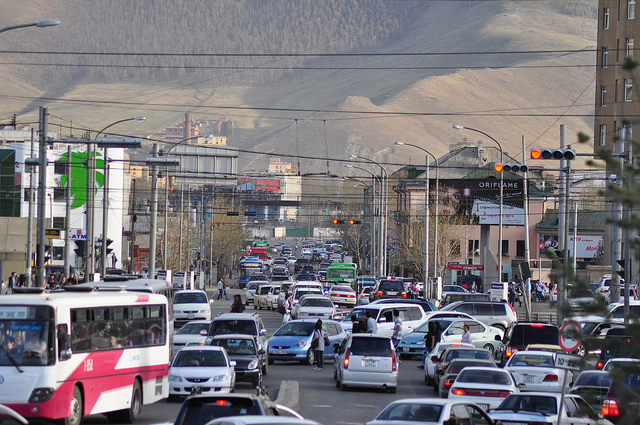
column 460, row 127
column 166, row 199
column 153, row 223
column 364, row 213
column 374, row 245
column 383, row 216
column 426, row 217
column 91, row 170
column 41, row 24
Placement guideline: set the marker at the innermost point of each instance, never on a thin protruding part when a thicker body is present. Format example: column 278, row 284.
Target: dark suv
column 388, row 289
column 200, row 409
column 245, row 324
column 519, row 335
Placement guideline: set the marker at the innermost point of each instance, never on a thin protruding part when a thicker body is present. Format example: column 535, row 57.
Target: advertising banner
column 586, row 245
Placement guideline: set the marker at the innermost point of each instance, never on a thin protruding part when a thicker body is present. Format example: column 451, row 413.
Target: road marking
column 365, row 405
column 321, row 405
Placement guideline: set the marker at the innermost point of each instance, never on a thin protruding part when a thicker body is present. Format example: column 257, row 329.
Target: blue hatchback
column 292, row 341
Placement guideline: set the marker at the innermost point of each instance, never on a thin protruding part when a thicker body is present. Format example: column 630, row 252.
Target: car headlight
column 253, row 364
column 177, row 311
column 204, row 311
column 301, row 343
column 220, row 378
column 175, row 378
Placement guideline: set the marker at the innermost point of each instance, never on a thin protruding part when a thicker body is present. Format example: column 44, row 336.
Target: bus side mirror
column 64, row 350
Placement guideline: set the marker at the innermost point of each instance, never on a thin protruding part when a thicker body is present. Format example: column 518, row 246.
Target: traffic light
column 80, row 247
column 553, row 154
column 337, row 221
column 354, row 221
column 515, row 168
column 621, row 271
column 109, row 250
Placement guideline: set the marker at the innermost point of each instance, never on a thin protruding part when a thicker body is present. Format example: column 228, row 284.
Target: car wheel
column 310, row 357
column 580, row 351
column 343, row 387
column 265, row 368
column 393, row 390
column 172, row 398
column 428, row 380
column 491, row 349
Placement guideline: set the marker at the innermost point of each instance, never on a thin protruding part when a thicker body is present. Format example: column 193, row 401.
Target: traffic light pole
column 67, row 210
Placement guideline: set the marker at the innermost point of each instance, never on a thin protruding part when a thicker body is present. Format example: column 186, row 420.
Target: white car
column 272, row 297
column 486, row 386
column 250, row 290
column 536, row 371
column 542, row 407
column 365, row 360
column 429, row 365
column 343, row 295
column 313, row 306
column 201, row 369
column 430, row 411
column 363, row 297
column 191, row 304
column 192, row 332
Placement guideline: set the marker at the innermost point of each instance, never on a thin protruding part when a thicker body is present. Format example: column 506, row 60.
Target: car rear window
column 371, row 347
column 418, row 412
column 200, row 411
column 391, row 285
column 469, row 354
column 458, row 365
column 498, row 377
column 524, row 335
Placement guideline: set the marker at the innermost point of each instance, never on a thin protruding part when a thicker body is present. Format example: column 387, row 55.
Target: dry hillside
column 359, row 105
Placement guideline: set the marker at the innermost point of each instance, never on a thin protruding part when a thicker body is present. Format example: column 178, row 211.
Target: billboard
column 586, row 245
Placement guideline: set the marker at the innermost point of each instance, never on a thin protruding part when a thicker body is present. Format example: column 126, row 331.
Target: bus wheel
column 130, row 415
column 77, row 409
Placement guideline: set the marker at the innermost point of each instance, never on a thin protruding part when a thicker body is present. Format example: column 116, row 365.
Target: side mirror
column 261, row 351
column 232, row 363
column 263, row 332
column 439, row 372
column 382, row 320
column 521, row 385
column 203, row 332
column 210, row 301
column 434, row 359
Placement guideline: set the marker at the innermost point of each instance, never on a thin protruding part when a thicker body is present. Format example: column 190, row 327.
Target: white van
column 412, row 315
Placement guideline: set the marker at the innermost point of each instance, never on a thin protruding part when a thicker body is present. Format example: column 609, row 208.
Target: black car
column 388, row 288
column 241, row 323
column 618, row 342
column 243, row 349
column 200, row 409
column 519, row 335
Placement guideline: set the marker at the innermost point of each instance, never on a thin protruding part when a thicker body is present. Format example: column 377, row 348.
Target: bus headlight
column 41, row 395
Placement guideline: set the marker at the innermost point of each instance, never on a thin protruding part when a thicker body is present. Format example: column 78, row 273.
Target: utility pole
column 133, row 228
column 153, row 226
column 562, row 219
column 42, row 196
column 30, row 222
column 527, row 252
column 67, row 211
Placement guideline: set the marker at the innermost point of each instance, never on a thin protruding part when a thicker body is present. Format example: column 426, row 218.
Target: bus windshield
column 28, row 341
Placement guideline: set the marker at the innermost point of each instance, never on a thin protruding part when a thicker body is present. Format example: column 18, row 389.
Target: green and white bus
column 341, row 273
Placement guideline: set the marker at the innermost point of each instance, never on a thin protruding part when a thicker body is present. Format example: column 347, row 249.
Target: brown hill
column 363, row 104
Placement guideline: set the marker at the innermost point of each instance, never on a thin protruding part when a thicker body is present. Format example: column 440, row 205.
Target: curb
column 289, row 395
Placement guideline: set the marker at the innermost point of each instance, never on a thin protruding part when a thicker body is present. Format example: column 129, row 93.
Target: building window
column 630, row 46
column 505, row 248
column 631, row 9
column 59, row 222
column 603, row 134
column 605, row 19
column 603, row 96
column 474, row 247
column 59, row 168
column 27, row 192
column 59, row 193
column 605, row 57
column 455, row 246
column 628, row 90
column 519, row 248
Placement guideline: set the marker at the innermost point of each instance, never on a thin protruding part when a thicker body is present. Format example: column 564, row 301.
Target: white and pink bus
column 64, row 355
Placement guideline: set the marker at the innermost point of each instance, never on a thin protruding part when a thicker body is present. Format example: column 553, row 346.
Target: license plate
column 527, row 378
column 276, row 352
column 483, row 406
column 369, row 363
column 392, row 293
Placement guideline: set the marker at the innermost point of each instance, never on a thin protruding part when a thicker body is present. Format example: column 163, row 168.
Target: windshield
column 296, row 329
column 241, row 347
column 193, row 328
column 594, row 380
column 411, row 412
column 389, row 285
column 202, row 410
column 196, row 358
column 530, row 403
column 27, row 342
column 190, row 298
column 531, row 360
column 341, row 273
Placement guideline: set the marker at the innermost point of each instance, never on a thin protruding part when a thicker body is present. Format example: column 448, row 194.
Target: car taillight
column 555, row 292
column 458, row 391
column 511, row 351
column 221, row 402
column 394, row 361
column 447, row 383
column 404, row 295
column 550, row 378
column 504, row 394
column 599, row 365
column 610, row 408
column 346, row 358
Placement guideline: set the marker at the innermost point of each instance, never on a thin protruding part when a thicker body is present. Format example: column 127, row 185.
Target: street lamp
column 460, row 127
column 364, row 214
column 374, row 245
column 383, row 216
column 41, row 24
column 91, row 170
column 426, row 216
